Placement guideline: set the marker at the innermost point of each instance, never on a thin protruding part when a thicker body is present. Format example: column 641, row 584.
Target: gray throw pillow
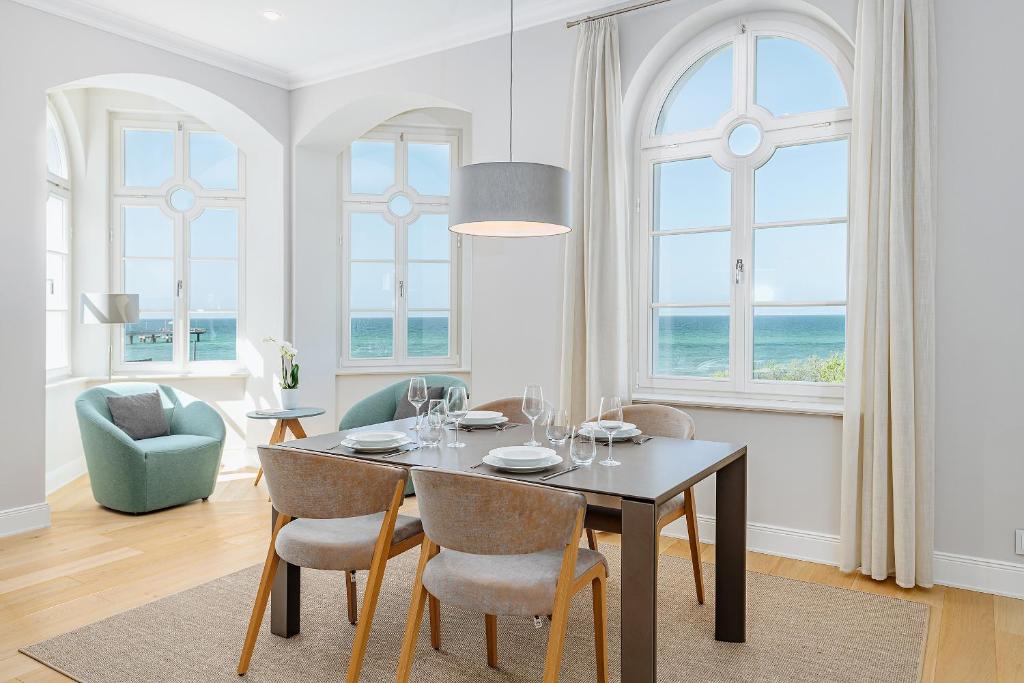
column 140, row 416
column 406, row 409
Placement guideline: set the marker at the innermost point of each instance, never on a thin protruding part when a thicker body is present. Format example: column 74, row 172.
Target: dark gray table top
column 652, row 472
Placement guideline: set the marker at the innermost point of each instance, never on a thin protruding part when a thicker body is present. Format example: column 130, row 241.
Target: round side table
column 287, row 420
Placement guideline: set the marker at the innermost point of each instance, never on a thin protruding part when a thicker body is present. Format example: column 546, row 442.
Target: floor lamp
column 109, row 309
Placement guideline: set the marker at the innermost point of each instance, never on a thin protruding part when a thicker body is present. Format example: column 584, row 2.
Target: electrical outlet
column 1020, row 541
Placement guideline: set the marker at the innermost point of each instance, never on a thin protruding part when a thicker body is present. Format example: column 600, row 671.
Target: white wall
column 794, row 459
column 38, row 52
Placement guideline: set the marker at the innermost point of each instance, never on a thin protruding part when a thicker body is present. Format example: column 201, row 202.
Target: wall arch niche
column 316, row 249
column 262, row 254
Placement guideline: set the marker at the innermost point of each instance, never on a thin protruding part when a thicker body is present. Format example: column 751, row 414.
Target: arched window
column 58, row 249
column 742, row 181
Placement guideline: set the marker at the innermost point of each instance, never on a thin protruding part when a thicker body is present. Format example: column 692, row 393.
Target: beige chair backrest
column 512, row 408
column 314, row 486
column 659, row 420
column 481, row 515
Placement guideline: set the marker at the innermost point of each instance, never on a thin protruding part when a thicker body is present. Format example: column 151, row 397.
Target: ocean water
column 373, row 337
column 216, row 343
column 698, row 345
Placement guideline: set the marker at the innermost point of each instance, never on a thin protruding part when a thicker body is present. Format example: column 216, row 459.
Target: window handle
column 180, row 285
column 49, row 285
column 739, row 270
column 401, row 288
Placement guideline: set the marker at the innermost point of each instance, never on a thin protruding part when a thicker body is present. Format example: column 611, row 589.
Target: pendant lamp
column 510, row 198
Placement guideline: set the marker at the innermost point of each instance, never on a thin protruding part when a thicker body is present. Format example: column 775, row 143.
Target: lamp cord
column 511, row 32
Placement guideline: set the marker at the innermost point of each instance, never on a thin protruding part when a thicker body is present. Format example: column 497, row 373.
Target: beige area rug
column 797, row 631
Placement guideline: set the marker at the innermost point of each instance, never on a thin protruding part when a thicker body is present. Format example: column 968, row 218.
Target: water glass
column 582, row 449
column 609, row 419
column 556, row 422
column 433, row 424
column 458, row 406
column 533, row 407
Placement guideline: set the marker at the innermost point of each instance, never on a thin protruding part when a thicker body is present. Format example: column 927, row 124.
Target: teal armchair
column 150, row 474
column 381, row 406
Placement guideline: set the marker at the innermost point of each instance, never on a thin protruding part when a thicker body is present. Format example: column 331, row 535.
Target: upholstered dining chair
column 501, row 547
column 512, row 408
column 658, row 420
column 356, row 528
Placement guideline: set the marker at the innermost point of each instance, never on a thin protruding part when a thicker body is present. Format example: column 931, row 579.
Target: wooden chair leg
column 259, row 475
column 262, row 596
column 412, row 624
column 600, row 628
column 491, row 627
column 434, row 608
column 591, row 539
column 560, row 613
column 350, row 592
column 690, row 509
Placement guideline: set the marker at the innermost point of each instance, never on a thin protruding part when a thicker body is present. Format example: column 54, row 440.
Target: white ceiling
column 314, row 39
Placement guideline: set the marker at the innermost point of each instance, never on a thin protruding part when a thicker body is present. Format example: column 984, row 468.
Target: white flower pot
column 289, row 399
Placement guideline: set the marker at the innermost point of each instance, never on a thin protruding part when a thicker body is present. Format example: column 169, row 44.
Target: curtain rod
column 612, row 13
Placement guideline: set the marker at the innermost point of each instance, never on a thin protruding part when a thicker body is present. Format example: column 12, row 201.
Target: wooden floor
column 94, row 563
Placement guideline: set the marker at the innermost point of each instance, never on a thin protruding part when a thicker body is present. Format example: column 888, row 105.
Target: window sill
column 65, row 381
column 403, row 370
column 146, row 377
column 801, row 406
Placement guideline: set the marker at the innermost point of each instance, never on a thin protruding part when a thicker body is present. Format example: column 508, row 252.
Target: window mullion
column 182, row 336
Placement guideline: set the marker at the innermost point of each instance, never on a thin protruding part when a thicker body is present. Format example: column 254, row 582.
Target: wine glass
column 556, row 422
column 458, row 406
column 433, row 427
column 533, row 407
column 582, row 448
column 417, row 397
column 610, row 421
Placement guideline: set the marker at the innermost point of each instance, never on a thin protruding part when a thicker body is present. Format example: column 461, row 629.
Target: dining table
column 624, row 499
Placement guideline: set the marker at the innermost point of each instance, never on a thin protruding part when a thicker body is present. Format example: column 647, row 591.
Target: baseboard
column 65, row 474
column 25, row 518
column 957, row 571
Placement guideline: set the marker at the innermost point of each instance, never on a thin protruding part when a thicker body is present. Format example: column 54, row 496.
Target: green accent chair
column 150, row 474
column 381, row 406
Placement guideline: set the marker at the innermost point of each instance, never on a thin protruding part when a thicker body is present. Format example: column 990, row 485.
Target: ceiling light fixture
column 271, row 15
column 510, row 198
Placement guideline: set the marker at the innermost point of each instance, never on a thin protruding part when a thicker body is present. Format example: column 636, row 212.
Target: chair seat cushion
column 338, row 544
column 174, row 443
column 520, row 585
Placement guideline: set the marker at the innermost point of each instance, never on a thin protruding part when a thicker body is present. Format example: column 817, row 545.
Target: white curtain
column 595, row 357
column 887, row 518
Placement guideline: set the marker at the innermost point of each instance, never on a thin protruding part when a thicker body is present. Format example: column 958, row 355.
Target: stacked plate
column 375, row 442
column 522, row 458
column 483, row 418
column 594, row 431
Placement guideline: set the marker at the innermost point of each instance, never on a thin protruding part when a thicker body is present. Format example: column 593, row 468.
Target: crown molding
column 465, row 34
column 84, row 13
column 457, row 36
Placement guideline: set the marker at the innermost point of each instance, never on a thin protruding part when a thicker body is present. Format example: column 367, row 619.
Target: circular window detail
column 182, row 199
column 400, row 205
column 744, row 139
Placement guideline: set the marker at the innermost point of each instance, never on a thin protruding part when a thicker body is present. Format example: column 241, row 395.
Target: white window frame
column 421, row 204
column 123, row 195
column 60, row 187
column 740, row 388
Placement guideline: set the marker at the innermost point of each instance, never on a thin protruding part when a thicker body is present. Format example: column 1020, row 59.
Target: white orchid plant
column 289, row 368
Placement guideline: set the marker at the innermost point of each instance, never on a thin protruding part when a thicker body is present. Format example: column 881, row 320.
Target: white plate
column 626, row 426
column 495, row 462
column 601, row 435
column 362, row 448
column 483, row 417
column 521, row 456
column 376, row 438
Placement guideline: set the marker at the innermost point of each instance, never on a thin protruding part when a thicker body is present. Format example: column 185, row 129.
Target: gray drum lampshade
column 510, row 199
column 103, row 308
